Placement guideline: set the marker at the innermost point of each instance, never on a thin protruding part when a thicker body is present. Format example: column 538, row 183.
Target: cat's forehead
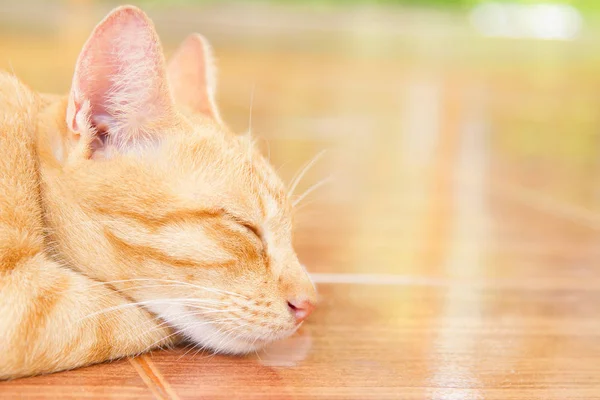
column 223, row 167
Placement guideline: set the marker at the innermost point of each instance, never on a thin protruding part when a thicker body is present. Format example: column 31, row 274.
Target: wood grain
column 117, row 379
column 457, row 249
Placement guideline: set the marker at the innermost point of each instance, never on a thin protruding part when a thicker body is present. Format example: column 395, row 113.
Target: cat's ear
column 192, row 76
column 119, row 95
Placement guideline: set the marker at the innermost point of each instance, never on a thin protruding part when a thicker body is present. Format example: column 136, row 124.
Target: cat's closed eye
column 248, row 226
column 253, row 229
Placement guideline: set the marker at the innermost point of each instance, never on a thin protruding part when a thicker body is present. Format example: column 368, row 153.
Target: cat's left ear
column 120, row 95
column 192, row 76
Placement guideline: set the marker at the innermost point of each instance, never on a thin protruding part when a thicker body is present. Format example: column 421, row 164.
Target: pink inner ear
column 191, row 76
column 120, row 75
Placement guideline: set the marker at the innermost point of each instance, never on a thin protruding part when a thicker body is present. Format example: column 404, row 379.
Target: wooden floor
column 456, row 247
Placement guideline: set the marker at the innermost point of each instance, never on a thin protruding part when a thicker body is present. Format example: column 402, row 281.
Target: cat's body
column 130, row 217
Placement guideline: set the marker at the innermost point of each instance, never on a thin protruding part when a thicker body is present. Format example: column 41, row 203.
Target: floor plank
column 456, row 247
column 118, row 379
column 415, row 341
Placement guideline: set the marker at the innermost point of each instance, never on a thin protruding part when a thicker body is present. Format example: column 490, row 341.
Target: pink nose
column 301, row 309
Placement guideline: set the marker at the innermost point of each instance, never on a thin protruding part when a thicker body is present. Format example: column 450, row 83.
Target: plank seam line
column 153, row 378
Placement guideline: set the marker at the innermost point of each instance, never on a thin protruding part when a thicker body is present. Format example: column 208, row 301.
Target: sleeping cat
column 132, row 218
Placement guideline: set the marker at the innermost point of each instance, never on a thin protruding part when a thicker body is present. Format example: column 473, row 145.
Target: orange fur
column 131, row 218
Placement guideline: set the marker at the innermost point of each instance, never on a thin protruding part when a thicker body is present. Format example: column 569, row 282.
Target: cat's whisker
column 16, row 84
column 177, row 329
column 155, row 343
column 234, row 336
column 194, row 346
column 169, row 285
column 214, row 290
column 209, row 311
column 181, row 330
column 303, row 207
column 311, row 189
column 217, row 347
column 217, row 332
column 183, row 315
column 227, row 333
column 299, row 175
column 184, row 301
column 268, row 148
column 205, row 346
column 251, row 108
column 249, row 134
column 202, row 348
column 278, row 170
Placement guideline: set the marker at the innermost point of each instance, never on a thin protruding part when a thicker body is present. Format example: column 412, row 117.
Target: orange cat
column 131, row 217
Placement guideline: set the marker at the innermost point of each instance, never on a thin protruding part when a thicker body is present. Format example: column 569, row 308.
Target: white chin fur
column 208, row 336
column 204, row 334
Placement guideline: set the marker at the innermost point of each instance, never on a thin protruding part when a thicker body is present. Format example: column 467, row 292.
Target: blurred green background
column 580, row 4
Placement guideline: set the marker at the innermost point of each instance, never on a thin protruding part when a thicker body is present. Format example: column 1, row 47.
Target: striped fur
column 122, row 232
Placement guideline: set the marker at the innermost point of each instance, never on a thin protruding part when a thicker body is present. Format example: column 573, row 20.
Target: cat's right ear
column 120, row 96
column 192, row 76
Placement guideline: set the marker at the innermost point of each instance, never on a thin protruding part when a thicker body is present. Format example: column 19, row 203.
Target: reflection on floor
column 456, row 248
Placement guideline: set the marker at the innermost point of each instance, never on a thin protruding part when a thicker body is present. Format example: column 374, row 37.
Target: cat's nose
column 301, row 309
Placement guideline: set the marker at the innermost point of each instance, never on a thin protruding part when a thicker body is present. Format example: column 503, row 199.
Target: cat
column 132, row 218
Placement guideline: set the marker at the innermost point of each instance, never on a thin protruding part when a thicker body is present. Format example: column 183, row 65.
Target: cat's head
column 159, row 197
